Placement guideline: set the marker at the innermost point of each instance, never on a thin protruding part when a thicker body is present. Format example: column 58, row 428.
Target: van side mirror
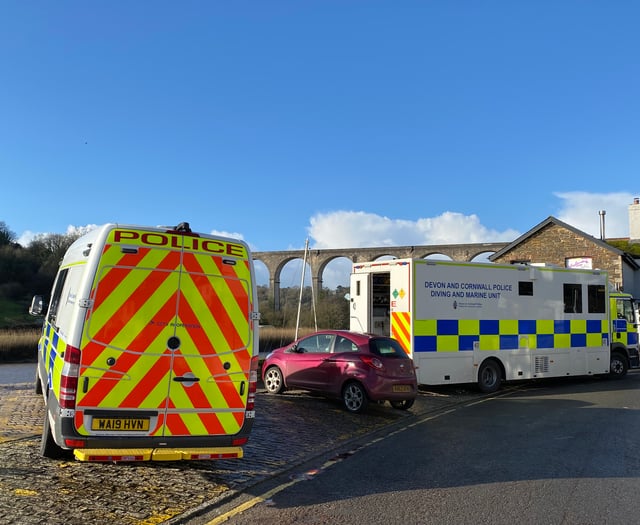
column 37, row 306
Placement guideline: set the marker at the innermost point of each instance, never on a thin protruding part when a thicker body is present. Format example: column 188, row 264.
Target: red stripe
column 176, row 426
column 216, row 306
column 235, row 285
column 101, row 388
column 110, row 280
column 212, row 423
column 159, row 372
column 138, row 297
column 227, row 388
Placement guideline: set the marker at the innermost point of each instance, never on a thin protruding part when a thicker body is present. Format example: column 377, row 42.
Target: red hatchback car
column 351, row 366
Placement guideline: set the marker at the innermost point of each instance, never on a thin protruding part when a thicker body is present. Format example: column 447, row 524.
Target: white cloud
column 581, row 210
column 80, row 230
column 28, row 236
column 233, row 235
column 358, row 229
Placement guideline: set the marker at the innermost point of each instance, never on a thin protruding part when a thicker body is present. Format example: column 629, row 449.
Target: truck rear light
column 69, row 377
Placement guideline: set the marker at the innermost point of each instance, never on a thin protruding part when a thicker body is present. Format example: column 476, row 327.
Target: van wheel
column 489, row 377
column 354, row 397
column 37, row 385
column 273, row 380
column 405, row 404
column 618, row 367
column 48, row 447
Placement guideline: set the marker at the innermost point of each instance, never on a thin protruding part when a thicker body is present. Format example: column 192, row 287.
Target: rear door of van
column 167, row 342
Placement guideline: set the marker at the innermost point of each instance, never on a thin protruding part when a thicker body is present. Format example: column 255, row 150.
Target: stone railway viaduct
column 319, row 259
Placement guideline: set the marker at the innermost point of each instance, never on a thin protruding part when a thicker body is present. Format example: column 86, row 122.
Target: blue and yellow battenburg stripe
column 455, row 335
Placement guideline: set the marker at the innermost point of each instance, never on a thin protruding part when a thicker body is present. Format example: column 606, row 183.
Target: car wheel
column 273, row 381
column 489, row 377
column 354, row 397
column 405, row 404
column 618, row 367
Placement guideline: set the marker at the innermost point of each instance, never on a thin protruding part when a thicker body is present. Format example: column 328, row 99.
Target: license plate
column 401, row 388
column 120, row 424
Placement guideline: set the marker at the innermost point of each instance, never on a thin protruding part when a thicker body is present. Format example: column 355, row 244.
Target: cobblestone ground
column 288, row 430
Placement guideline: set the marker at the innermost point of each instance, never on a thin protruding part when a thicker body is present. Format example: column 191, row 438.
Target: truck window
column 596, row 299
column 525, row 288
column 572, row 298
column 55, row 297
column 625, row 310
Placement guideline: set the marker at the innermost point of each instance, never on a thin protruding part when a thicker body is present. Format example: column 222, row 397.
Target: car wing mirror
column 296, row 349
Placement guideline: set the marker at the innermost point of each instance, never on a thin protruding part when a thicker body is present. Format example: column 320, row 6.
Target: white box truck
column 487, row 323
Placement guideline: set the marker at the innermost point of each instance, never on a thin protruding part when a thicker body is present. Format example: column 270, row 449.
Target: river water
column 13, row 373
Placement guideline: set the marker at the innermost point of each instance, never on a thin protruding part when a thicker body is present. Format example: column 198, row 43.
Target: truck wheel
column 618, row 367
column 273, row 381
column 405, row 404
column 48, row 447
column 354, row 397
column 489, row 377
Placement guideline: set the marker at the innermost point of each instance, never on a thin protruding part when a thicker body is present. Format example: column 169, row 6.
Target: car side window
column 344, row 345
column 316, row 344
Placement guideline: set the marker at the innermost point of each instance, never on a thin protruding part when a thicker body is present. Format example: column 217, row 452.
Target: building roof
column 553, row 221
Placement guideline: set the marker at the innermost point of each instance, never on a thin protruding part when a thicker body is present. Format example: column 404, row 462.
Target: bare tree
column 6, row 235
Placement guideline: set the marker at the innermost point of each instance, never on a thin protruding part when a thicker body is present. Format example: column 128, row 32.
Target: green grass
column 15, row 315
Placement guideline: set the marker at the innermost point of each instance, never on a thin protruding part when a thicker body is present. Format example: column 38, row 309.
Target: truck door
column 624, row 326
column 360, row 302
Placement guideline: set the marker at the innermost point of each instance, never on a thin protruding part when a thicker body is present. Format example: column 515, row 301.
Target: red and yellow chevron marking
column 141, row 300
column 401, row 329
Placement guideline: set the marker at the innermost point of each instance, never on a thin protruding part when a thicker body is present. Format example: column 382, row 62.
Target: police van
column 149, row 348
column 486, row 323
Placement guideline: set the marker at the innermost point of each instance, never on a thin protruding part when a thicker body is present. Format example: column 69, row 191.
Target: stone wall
column 553, row 244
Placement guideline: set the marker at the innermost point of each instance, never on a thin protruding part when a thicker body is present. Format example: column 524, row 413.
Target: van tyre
column 619, row 366
column 489, row 377
column 48, row 447
column 273, row 381
column 37, row 385
column 354, row 397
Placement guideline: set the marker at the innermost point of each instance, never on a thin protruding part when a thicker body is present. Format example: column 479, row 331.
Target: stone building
column 555, row 242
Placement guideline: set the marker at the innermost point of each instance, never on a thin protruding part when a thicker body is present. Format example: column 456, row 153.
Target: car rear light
column 372, row 361
column 69, row 377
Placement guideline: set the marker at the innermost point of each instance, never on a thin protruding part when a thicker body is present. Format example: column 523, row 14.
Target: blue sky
column 349, row 123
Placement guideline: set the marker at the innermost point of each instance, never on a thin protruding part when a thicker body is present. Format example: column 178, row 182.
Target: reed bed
column 19, row 345
column 22, row 345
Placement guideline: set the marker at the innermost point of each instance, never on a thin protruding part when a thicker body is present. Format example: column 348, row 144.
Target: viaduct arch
column 318, row 259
